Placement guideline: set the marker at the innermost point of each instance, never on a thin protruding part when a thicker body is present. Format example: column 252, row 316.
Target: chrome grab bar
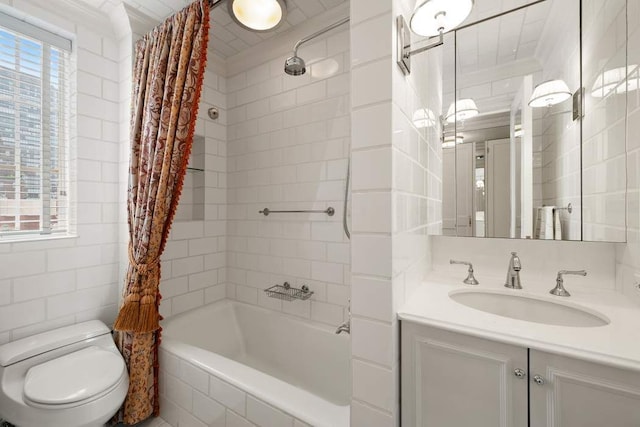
column 329, row 211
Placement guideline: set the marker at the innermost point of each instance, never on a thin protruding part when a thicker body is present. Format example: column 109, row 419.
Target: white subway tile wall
column 371, row 174
column 396, row 201
column 604, row 161
column 560, row 135
column 52, row 283
column 628, row 256
column 288, row 145
column 189, row 396
column 193, row 264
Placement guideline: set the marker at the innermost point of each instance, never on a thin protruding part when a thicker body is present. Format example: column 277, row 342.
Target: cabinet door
column 575, row 393
column 455, row 380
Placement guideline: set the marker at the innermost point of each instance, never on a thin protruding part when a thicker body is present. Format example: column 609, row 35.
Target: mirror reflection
column 512, row 132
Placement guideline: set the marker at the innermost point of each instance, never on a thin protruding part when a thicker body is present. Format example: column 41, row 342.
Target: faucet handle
column 470, row 280
column 572, row 272
column 559, row 290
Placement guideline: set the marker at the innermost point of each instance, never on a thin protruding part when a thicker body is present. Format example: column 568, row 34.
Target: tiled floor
column 154, row 422
column 151, row 422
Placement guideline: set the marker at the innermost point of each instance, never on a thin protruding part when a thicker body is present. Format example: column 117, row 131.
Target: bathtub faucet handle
column 345, row 327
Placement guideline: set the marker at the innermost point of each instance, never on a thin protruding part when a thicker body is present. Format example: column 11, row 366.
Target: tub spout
column 345, row 327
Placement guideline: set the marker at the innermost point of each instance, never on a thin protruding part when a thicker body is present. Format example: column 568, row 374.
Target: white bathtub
column 301, row 369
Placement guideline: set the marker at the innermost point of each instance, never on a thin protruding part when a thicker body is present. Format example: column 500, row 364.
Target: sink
column 529, row 308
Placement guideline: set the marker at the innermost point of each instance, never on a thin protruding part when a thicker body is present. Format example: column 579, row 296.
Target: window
column 34, row 134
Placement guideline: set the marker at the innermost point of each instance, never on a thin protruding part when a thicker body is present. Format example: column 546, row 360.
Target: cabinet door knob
column 538, row 379
column 519, row 373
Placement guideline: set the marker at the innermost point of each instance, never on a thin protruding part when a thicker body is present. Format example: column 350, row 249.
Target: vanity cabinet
column 457, row 380
column 575, row 393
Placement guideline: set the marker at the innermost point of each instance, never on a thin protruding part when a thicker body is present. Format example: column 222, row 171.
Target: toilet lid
column 73, row 377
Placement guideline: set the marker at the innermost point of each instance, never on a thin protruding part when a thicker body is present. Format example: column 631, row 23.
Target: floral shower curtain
column 167, row 81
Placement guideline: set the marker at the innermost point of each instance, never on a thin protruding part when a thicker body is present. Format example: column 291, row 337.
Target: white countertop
column 616, row 344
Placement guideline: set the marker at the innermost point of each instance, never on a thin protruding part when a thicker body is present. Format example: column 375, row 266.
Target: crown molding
column 77, row 11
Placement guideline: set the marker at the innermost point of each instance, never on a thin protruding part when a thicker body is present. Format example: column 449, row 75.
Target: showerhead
column 295, row 66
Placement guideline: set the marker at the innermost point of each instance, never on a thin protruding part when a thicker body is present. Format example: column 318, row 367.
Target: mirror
column 512, row 128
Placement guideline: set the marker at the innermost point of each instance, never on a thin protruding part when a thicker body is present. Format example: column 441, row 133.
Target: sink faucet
column 559, row 290
column 513, row 273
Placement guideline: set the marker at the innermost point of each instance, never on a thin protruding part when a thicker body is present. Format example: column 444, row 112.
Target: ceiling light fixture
column 461, row 110
column 430, row 18
column 258, row 15
column 549, row 93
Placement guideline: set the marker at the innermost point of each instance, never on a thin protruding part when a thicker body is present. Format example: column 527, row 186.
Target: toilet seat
column 74, row 378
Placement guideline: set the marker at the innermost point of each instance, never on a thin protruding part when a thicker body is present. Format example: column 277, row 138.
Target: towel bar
column 329, row 211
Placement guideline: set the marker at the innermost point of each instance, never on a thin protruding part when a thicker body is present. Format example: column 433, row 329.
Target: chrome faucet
column 513, row 273
column 346, row 326
column 559, row 290
column 470, row 280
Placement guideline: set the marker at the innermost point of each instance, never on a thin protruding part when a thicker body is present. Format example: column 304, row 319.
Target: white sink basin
column 529, row 308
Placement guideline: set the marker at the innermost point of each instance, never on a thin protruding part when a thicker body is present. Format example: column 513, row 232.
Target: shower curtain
column 167, row 81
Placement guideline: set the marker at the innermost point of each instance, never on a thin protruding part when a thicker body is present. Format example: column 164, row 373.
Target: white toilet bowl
column 68, row 377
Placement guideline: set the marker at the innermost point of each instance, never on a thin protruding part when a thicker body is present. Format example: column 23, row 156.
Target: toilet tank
column 17, row 351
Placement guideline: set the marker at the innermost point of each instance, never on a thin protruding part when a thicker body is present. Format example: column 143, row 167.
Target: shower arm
column 316, row 34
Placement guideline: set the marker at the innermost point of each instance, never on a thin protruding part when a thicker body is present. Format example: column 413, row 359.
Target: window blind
column 34, row 134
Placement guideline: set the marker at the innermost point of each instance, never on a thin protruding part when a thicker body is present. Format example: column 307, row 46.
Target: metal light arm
column 431, row 45
column 404, row 54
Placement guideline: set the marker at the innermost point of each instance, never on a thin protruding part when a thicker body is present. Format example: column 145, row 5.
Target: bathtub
column 266, row 367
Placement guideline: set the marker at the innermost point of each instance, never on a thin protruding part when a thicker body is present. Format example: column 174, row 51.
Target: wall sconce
column 517, row 131
column 452, row 140
column 257, row 15
column 553, row 92
column 461, row 110
column 424, row 118
column 549, row 93
column 612, row 80
column 430, row 18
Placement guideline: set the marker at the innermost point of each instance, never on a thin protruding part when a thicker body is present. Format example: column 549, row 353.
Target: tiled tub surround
column 194, row 260
column 288, row 145
column 234, row 364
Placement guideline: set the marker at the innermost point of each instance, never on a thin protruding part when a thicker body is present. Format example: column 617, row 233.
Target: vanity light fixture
column 430, row 18
column 461, row 110
column 257, row 15
column 452, row 141
column 424, row 118
column 612, row 80
column 549, row 93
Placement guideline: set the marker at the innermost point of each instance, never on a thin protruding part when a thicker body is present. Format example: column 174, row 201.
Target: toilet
column 68, row 377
